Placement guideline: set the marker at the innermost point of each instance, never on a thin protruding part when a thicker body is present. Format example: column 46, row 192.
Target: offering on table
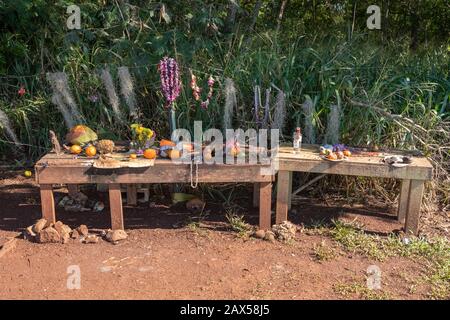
column 143, row 138
column 81, row 135
column 90, row 151
column 105, row 146
column 337, row 152
column 397, row 161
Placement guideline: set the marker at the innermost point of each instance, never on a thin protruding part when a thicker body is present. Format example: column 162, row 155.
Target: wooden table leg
column 265, row 203
column 290, row 190
column 256, row 195
column 73, row 189
column 131, row 194
column 48, row 203
column 282, row 196
column 414, row 203
column 115, row 205
column 403, row 200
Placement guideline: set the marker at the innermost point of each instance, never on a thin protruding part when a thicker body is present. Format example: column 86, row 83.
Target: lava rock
column 83, row 230
column 39, row 225
column 284, row 231
column 260, row 234
column 270, row 236
column 91, row 238
column 116, row 235
column 48, row 235
column 74, row 234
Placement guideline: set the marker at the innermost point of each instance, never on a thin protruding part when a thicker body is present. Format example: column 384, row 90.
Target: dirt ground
column 165, row 257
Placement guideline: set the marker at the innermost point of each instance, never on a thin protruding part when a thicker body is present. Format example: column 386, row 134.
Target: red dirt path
column 162, row 260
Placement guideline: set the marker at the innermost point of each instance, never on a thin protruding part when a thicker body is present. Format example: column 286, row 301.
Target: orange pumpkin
column 150, row 153
column 75, row 149
column 166, row 143
column 90, row 151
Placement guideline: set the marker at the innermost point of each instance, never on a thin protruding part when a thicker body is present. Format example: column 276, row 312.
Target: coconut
column 81, row 135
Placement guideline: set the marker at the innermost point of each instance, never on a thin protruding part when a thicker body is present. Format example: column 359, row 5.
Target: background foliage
column 320, row 49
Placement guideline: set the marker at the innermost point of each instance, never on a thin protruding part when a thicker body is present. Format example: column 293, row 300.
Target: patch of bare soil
column 165, row 257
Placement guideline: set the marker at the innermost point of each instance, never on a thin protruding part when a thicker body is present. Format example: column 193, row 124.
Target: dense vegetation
column 392, row 84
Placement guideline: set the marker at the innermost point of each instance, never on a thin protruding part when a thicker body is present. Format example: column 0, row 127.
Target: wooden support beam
column 256, row 195
column 131, row 194
column 115, row 205
column 282, row 196
column 310, row 182
column 403, row 200
column 48, row 203
column 414, row 203
column 291, row 174
column 265, row 204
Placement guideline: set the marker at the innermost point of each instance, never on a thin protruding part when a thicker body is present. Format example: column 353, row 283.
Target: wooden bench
column 64, row 169
column 413, row 177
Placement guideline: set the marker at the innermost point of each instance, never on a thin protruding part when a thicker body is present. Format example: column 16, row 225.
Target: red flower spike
column 21, row 91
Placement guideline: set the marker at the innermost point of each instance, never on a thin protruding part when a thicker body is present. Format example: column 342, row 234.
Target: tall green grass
column 386, row 80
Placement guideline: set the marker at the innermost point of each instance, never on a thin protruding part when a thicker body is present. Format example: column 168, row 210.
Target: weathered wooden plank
column 403, row 200
column 115, row 205
column 356, row 169
column 166, row 174
column 265, row 204
column 48, row 203
column 414, row 203
column 282, row 196
column 131, row 194
column 255, row 195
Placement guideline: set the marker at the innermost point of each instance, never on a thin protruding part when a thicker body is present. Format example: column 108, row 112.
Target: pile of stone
column 80, row 202
column 44, row 232
column 284, row 231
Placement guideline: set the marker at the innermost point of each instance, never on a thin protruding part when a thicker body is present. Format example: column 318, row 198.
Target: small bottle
column 297, row 141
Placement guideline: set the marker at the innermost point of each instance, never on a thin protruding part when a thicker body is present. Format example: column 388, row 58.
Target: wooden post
column 265, row 202
column 403, row 200
column 290, row 190
column 115, row 206
column 131, row 194
column 256, row 195
column 414, row 203
column 282, row 196
column 73, row 189
column 48, row 203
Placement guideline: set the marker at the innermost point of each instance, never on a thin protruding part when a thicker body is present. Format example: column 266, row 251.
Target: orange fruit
column 133, row 156
column 150, row 153
column 90, row 151
column 332, row 156
column 75, row 149
column 165, row 142
column 174, row 153
column 347, row 153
